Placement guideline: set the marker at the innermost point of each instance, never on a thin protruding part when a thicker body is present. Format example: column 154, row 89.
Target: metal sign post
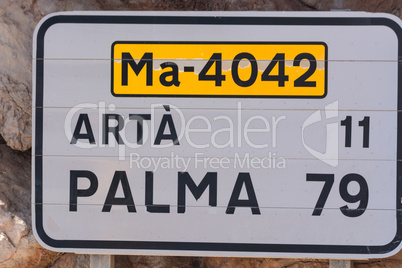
column 218, row 133
column 340, row 264
column 101, row 261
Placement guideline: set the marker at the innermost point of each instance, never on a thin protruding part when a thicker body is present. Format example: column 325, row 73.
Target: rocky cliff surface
column 18, row 18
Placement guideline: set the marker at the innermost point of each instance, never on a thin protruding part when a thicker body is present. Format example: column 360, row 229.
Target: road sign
column 218, row 133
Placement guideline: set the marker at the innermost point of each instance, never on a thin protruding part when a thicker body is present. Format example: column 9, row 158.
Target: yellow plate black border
column 220, row 96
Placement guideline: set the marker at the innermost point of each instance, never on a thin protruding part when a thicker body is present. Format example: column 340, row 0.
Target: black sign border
column 70, row 245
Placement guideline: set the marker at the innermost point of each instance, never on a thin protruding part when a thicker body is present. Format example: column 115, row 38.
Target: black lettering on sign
column 328, row 180
column 347, row 123
column 362, row 196
column 167, row 120
column 114, row 130
column 235, row 69
column 251, row 202
column 140, row 121
column 147, row 59
column 174, row 73
column 218, row 77
column 281, row 78
column 365, row 123
column 184, row 179
column 111, row 199
column 301, row 81
column 149, row 195
column 75, row 192
column 89, row 135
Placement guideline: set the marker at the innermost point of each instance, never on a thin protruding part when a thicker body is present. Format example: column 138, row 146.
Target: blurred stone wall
column 18, row 18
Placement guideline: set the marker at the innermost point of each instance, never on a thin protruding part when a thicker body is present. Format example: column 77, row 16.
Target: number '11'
column 365, row 123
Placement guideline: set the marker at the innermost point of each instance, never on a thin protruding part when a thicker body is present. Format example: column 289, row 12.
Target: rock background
column 18, row 18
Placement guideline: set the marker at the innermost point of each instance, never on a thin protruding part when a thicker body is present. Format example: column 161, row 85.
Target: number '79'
column 362, row 196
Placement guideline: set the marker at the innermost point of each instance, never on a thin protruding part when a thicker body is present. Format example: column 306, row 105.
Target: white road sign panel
column 230, row 134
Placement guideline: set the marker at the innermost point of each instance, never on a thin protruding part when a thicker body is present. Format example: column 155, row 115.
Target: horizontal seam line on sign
column 220, row 206
column 220, row 109
column 206, row 59
column 208, row 156
column 192, row 59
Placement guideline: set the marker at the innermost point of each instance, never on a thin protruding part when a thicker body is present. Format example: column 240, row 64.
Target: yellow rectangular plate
column 220, row 69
